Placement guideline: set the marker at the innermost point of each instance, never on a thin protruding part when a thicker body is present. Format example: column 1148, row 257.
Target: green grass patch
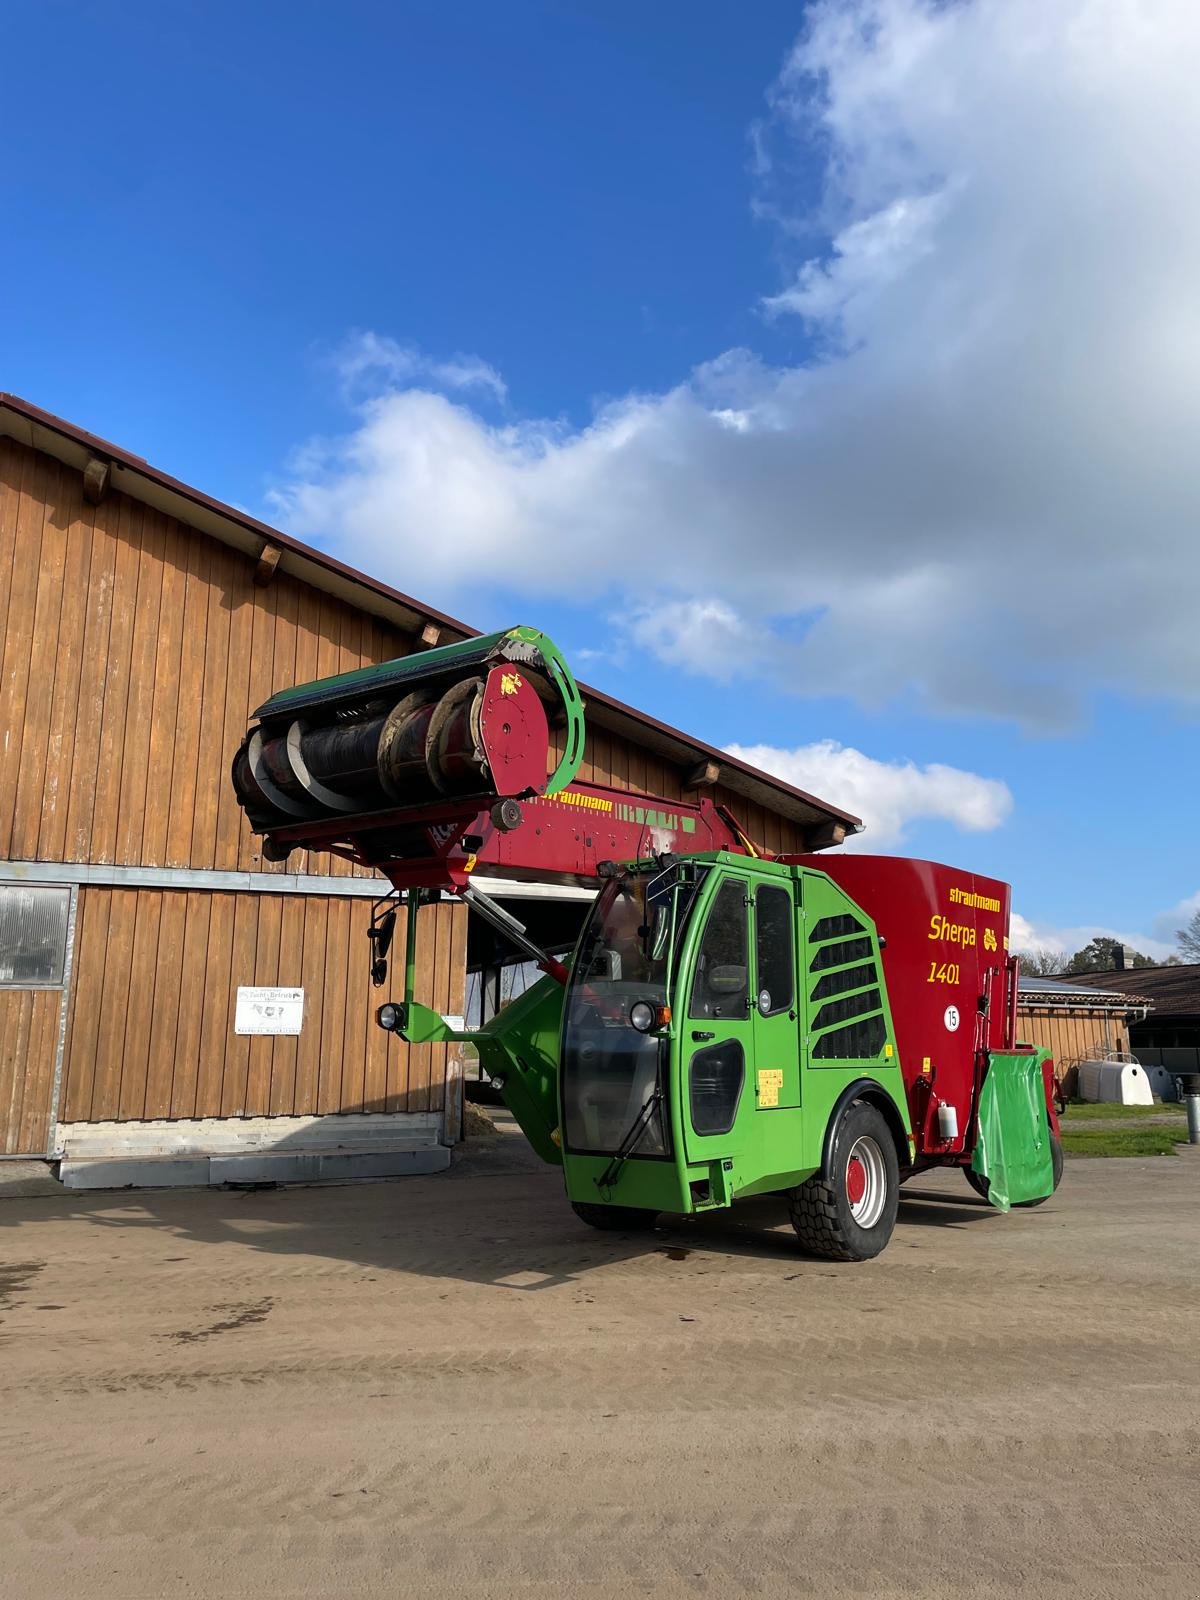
column 1078, row 1111
column 1121, row 1141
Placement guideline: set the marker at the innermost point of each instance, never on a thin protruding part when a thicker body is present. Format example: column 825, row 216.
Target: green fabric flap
column 1012, row 1150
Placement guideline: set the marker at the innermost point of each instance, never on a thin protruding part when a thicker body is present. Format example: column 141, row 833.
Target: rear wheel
column 849, row 1214
column 980, row 1184
column 615, row 1219
column 977, row 1181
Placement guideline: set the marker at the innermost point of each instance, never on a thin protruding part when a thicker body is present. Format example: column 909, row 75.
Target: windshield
column 609, row 1069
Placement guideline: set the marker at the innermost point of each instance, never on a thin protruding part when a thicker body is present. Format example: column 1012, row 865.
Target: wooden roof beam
column 268, row 561
column 96, row 477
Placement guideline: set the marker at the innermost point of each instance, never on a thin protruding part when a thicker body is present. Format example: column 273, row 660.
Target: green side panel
column 520, row 1045
column 1012, row 1150
column 841, row 971
column 841, row 966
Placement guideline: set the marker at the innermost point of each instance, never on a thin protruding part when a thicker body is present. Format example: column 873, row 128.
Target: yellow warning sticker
column 770, row 1082
column 925, row 1066
column 510, row 682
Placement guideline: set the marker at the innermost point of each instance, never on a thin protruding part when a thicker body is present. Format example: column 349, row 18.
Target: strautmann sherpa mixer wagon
column 729, row 1024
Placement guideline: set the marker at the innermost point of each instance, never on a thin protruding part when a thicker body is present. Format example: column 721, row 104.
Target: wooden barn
column 1167, row 1033
column 141, row 622
column 1077, row 1020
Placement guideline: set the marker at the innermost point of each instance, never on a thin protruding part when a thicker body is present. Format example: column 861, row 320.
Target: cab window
column 717, row 1076
column 773, row 949
column 720, row 987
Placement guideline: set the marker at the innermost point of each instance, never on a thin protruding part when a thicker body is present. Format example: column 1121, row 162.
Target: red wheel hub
column 856, row 1180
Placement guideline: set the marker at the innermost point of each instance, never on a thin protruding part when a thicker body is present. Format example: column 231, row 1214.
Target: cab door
column 717, row 1032
column 775, row 1028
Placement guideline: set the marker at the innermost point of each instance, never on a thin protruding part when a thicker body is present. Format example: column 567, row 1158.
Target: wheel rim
column 866, row 1181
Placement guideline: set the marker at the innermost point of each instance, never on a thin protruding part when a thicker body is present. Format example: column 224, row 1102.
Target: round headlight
column 643, row 1015
column 389, row 1017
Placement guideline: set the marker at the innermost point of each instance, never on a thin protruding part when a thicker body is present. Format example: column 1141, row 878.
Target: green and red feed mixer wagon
column 730, row 1023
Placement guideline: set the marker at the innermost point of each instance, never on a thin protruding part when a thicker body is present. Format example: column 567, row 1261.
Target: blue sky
column 383, row 273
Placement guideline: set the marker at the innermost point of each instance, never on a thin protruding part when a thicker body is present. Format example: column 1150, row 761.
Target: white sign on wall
column 269, row 1011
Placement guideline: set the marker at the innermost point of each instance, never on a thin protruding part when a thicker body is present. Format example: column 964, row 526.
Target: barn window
column 33, row 935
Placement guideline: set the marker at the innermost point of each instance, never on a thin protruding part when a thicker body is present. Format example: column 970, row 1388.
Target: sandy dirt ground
column 449, row 1386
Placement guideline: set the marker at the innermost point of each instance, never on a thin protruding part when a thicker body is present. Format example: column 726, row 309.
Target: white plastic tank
column 1121, row 1083
column 1162, row 1085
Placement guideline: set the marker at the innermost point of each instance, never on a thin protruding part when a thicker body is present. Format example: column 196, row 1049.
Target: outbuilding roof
column 1173, row 991
column 1061, row 992
column 134, row 476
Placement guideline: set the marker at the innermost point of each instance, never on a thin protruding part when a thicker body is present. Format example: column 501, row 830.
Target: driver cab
column 684, row 976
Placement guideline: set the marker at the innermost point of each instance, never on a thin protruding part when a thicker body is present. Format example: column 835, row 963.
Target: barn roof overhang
column 1047, row 994
column 1172, row 990
column 135, row 477
column 1129, row 1008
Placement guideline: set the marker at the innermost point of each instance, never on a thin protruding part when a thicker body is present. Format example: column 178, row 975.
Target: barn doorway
column 497, row 971
column 37, row 926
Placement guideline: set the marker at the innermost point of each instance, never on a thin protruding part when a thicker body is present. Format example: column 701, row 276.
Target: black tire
column 980, row 1184
column 615, row 1219
column 977, row 1181
column 826, row 1219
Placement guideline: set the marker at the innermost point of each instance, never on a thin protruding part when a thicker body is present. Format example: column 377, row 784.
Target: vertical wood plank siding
column 134, row 650
column 28, row 1038
column 150, row 1026
column 1073, row 1036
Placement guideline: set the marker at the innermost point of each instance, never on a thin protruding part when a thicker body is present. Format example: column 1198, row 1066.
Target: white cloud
column 365, row 360
column 1027, row 935
column 704, row 636
column 868, row 256
column 982, row 495
column 1168, row 923
column 888, row 795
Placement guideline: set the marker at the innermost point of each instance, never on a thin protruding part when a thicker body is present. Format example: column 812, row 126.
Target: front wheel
column 615, row 1219
column 849, row 1214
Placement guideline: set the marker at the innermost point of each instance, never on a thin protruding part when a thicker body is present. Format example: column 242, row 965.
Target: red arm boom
column 559, row 838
